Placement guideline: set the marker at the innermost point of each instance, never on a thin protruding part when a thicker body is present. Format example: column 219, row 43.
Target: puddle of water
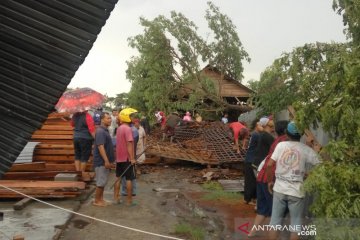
column 79, row 223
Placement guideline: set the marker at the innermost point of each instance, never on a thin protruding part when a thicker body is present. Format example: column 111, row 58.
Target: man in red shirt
column 239, row 131
column 264, row 198
column 125, row 155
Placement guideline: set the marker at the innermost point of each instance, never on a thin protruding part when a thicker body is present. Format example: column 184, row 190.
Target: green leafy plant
column 216, row 192
column 187, row 230
column 212, row 185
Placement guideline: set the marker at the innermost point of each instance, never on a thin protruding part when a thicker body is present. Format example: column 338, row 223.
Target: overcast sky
column 265, row 27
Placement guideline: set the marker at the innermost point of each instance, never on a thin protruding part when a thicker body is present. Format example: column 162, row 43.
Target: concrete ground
column 37, row 221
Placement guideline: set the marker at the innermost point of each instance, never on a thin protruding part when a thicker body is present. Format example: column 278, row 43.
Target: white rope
column 93, row 218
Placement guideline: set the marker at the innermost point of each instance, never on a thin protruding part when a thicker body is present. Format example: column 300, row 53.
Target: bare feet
column 118, row 200
column 101, row 203
column 250, row 203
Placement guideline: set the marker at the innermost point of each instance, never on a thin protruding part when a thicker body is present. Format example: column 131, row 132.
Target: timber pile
column 53, row 155
column 205, row 143
column 56, row 147
column 41, row 189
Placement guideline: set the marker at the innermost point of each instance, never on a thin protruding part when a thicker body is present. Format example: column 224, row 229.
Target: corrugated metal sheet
column 27, row 153
column 42, row 44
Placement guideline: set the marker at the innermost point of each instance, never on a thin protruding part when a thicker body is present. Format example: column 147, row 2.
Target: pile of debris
column 205, row 143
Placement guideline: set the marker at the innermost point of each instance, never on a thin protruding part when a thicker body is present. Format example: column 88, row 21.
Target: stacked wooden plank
column 56, row 147
column 41, row 189
column 53, row 154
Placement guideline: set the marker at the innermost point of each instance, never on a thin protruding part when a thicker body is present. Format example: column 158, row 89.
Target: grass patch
column 192, row 232
column 222, row 195
column 212, row 186
column 216, row 192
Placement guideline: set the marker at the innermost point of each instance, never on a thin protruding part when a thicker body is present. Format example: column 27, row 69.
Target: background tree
column 322, row 82
column 227, row 52
column 118, row 102
column 171, row 56
column 121, row 100
column 108, row 104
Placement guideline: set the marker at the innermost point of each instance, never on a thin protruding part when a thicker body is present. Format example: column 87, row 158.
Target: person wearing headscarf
column 187, row 117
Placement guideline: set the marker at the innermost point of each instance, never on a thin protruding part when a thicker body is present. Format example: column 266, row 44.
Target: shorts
column 101, row 176
column 264, row 200
column 83, row 148
column 280, row 203
column 125, row 169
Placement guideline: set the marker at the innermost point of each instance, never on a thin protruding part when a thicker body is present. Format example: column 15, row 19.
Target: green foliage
column 216, row 192
column 193, row 232
column 213, row 186
column 227, row 51
column 337, row 200
column 222, row 195
column 305, row 78
column 337, row 188
column 337, row 229
column 321, row 81
column 171, row 54
column 350, row 10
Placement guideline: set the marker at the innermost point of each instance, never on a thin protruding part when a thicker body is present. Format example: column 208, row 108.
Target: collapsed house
column 206, row 143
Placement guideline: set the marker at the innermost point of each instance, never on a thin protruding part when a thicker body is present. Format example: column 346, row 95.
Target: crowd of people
column 168, row 123
column 123, row 132
column 275, row 166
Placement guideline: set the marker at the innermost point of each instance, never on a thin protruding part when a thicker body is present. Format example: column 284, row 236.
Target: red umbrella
column 79, row 100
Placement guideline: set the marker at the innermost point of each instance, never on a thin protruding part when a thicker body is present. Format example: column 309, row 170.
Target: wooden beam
column 26, row 167
column 65, row 167
column 46, row 175
column 54, row 132
column 54, row 146
column 51, row 137
column 20, row 205
column 42, row 184
column 67, row 152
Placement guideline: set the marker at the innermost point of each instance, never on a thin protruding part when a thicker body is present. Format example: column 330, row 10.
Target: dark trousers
column 250, row 183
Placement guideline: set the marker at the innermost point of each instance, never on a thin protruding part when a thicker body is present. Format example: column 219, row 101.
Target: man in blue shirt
column 103, row 158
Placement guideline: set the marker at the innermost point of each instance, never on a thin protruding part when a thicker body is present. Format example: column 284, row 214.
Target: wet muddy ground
column 156, row 212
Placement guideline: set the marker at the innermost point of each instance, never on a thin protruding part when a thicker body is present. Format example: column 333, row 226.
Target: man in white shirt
column 113, row 126
column 290, row 158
